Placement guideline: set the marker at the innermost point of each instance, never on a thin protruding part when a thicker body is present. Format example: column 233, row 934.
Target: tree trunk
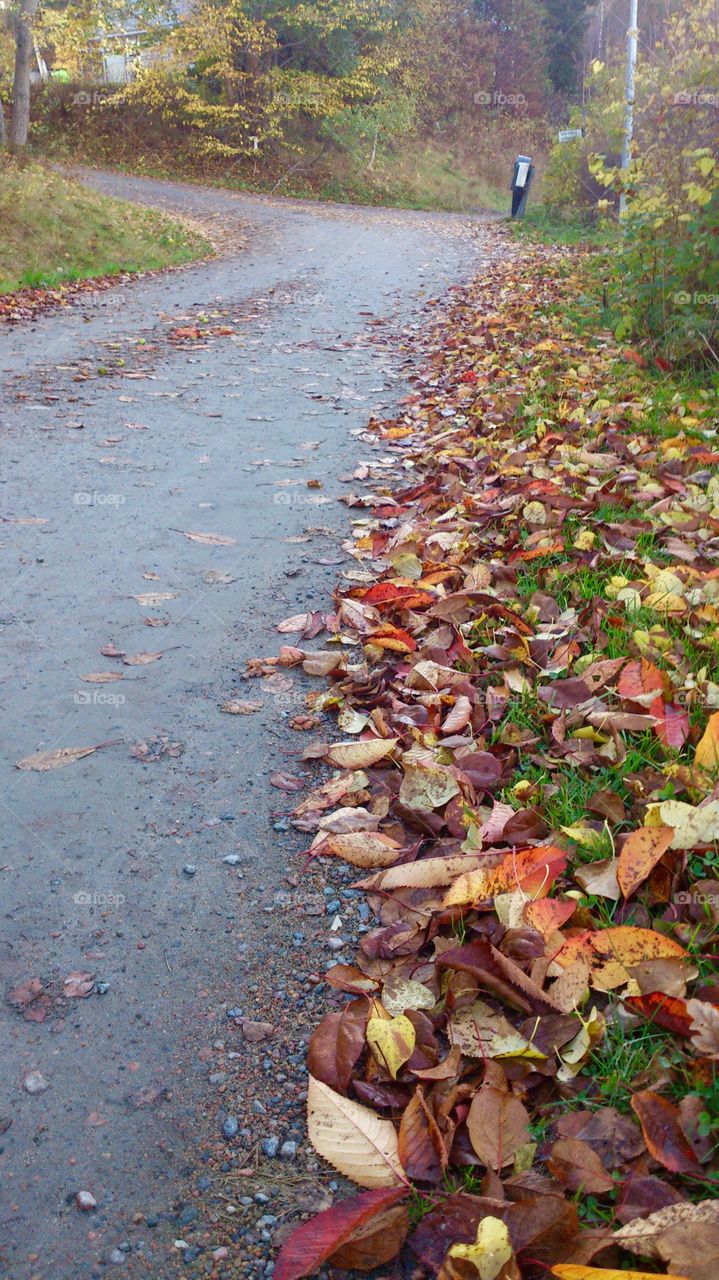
column 3, row 130
column 21, row 83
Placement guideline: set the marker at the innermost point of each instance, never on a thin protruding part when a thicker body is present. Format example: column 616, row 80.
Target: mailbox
column 521, row 182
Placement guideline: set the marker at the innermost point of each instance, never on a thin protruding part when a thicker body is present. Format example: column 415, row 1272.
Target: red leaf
column 315, row 1241
column 665, row 1011
column 672, row 727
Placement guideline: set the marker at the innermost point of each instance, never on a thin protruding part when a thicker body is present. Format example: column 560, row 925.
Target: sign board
column 522, row 171
column 568, row 135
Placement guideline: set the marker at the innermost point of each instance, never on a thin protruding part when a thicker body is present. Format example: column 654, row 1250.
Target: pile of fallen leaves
column 523, row 663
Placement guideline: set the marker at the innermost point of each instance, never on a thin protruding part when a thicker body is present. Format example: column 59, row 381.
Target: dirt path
column 118, row 436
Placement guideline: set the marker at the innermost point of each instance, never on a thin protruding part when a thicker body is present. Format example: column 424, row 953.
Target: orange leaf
column 640, row 854
column 575, row 1271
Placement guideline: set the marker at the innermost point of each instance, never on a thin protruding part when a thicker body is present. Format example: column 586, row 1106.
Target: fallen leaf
column 42, row 761
column 640, row 854
column 352, row 1138
column 392, row 1041
column 78, row 985
column 209, row 539
column 314, row 1242
column 663, row 1133
column 498, row 1122
column 360, row 755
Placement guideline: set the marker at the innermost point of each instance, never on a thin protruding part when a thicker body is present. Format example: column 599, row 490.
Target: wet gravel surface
column 152, row 1127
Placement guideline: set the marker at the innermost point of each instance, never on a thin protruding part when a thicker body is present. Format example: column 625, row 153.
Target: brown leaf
column 497, row 1123
column 574, row 1164
column 663, row 1134
column 337, row 1045
column 421, row 1148
column 78, row 985
column 286, row 782
column 235, row 708
column 140, row 659
column 209, row 539
column 42, row 761
column 103, row 677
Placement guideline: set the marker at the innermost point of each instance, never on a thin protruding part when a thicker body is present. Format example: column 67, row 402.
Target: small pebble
column 232, row 859
column 86, row 1201
column 270, row 1147
column 117, row 1257
column 288, row 1150
column 189, row 869
column 335, row 944
column 35, row 1082
column 230, row 1127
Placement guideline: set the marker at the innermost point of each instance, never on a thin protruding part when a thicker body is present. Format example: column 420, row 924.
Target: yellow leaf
column 706, row 756
column 491, row 1251
column 392, row 1043
column 360, row 755
column 691, row 826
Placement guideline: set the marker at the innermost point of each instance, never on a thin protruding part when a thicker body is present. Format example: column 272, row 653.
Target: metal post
column 632, row 36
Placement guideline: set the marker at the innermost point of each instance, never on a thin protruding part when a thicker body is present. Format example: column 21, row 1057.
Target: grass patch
column 550, row 227
column 56, row 231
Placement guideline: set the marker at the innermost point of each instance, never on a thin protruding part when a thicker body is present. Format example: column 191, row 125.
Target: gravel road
column 120, row 436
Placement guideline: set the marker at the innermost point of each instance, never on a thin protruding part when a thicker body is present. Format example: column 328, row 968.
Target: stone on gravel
column 230, row 1127
column 86, row 1201
column 270, row 1147
column 288, row 1150
column 189, row 869
column 256, row 1031
column 35, row 1082
column 117, row 1257
column 232, row 859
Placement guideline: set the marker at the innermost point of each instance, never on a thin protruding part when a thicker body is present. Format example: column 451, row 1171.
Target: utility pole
column 632, row 37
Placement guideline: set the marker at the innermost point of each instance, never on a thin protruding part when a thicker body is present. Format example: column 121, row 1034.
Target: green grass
column 421, row 178
column 546, row 225
column 55, row 231
column 624, row 1054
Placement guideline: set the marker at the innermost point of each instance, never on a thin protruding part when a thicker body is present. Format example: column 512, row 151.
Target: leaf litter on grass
column 525, row 670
